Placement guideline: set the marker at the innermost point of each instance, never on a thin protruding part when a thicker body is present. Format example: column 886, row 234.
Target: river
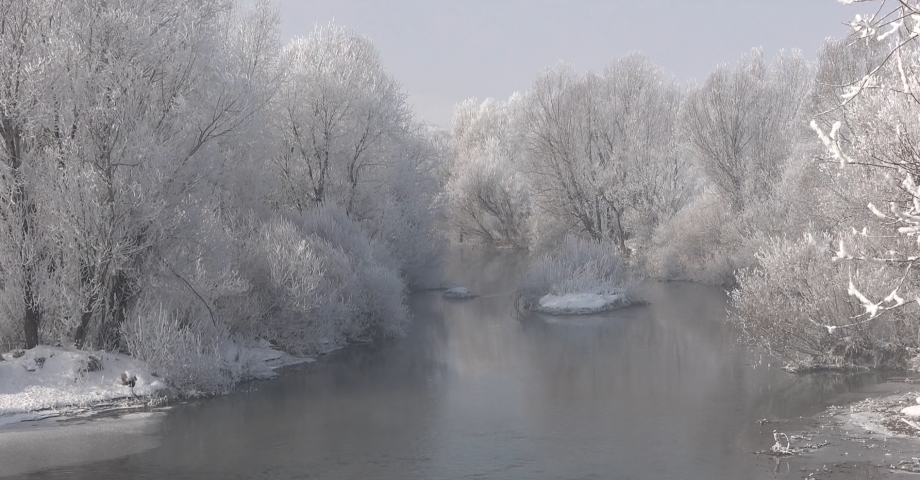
column 661, row 391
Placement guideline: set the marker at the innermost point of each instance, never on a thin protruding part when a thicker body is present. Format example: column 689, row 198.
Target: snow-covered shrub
column 12, row 307
column 703, row 243
column 574, row 267
column 364, row 271
column 796, row 305
column 852, row 304
column 549, row 231
column 181, row 344
column 708, row 242
column 410, row 209
column 331, row 224
column 300, row 307
column 380, row 301
column 408, row 229
column 321, row 280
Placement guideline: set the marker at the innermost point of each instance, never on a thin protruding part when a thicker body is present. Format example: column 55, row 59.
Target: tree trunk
column 12, row 138
column 79, row 337
column 619, row 234
column 32, row 315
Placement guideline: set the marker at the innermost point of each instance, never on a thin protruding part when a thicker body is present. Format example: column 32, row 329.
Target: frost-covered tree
column 159, row 93
column 406, row 208
column 29, row 67
column 854, row 301
column 346, row 136
column 489, row 196
column 601, row 148
column 175, row 185
column 133, row 110
column 337, row 114
column 879, row 138
column 743, row 123
column 644, row 114
column 745, row 131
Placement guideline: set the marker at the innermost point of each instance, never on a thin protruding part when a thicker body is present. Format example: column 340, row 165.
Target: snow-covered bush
column 703, row 243
column 299, row 307
column 366, row 273
column 409, row 211
column 181, row 344
column 796, row 305
column 323, row 281
column 708, row 242
column 577, row 266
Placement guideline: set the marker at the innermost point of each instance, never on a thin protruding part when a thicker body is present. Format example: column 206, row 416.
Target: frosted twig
column 780, row 449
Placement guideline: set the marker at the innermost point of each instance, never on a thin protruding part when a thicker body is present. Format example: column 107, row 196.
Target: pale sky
column 445, row 51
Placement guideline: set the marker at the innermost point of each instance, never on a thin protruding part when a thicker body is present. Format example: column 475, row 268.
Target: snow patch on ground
column 34, row 383
column 580, row 303
column 459, row 293
column 890, row 416
column 51, row 381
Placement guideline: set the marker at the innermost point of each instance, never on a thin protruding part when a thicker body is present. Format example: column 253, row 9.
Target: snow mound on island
column 46, row 378
column 580, row 303
column 579, row 276
column 459, row 293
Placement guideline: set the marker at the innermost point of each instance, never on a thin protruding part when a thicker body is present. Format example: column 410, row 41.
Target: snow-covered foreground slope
column 47, row 381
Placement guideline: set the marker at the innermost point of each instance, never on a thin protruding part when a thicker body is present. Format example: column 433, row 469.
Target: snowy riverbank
column 52, row 381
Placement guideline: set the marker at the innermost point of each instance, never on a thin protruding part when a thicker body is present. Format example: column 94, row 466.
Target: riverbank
column 862, row 435
column 474, row 389
column 47, row 381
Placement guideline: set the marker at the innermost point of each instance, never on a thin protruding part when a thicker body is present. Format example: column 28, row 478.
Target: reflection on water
column 660, row 391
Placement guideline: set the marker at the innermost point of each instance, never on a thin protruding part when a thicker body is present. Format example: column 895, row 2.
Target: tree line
column 175, row 182
column 793, row 183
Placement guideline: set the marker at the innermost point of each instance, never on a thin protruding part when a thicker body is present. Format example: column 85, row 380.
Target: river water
column 654, row 392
